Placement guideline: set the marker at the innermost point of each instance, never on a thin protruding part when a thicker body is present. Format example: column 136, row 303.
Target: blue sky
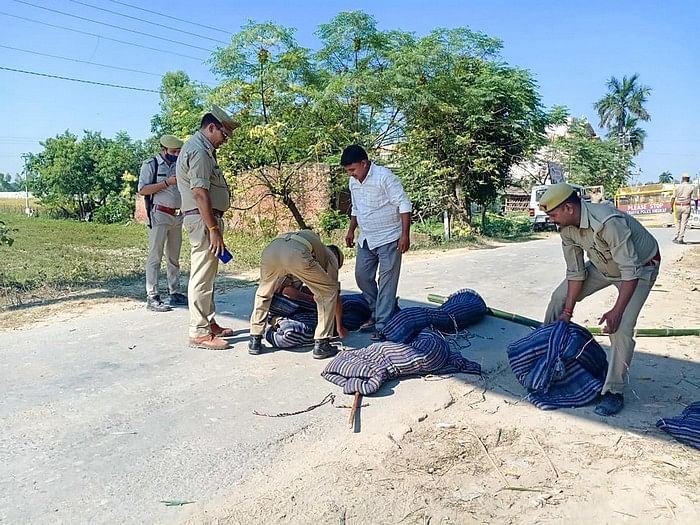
column 571, row 48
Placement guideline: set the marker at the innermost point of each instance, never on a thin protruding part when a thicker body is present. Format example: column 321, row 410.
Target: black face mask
column 170, row 158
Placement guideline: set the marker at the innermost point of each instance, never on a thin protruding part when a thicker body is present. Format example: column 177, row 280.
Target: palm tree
column 622, row 108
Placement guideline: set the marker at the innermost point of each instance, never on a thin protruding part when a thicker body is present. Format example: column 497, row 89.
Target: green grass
column 50, row 257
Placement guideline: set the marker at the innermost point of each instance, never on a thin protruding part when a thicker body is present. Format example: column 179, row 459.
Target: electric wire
column 103, row 37
column 114, row 26
column 106, row 84
column 170, row 16
column 148, row 21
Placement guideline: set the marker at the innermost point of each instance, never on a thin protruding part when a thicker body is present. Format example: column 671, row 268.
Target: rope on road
column 330, row 398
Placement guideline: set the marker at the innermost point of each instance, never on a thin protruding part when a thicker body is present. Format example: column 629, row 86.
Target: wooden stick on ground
column 355, row 404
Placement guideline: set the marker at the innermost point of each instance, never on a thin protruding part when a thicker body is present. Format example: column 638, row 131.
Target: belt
column 165, row 209
column 297, row 238
column 195, row 211
column 655, row 259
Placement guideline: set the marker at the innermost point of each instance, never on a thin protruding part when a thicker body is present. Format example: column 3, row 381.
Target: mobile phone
column 226, row 256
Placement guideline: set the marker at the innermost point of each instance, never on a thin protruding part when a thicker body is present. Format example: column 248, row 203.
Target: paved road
column 104, row 416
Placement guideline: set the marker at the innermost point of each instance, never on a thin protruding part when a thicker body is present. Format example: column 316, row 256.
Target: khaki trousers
column 682, row 216
column 621, row 342
column 287, row 256
column 164, row 237
column 203, row 268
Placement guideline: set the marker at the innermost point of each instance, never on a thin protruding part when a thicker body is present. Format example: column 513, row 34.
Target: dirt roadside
column 484, row 456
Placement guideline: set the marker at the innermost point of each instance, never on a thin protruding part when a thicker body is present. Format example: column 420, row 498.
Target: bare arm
column 613, row 317
column 405, row 240
column 350, row 236
column 573, row 291
column 340, row 328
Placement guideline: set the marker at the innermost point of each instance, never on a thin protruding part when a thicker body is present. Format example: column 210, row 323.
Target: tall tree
column 666, row 177
column 264, row 77
column 182, row 103
column 622, row 108
column 590, row 160
column 471, row 119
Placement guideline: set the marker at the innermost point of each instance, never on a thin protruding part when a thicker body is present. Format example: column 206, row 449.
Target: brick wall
column 252, row 211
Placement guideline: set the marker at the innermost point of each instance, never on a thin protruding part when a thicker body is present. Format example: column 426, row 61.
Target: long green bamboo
column 595, row 330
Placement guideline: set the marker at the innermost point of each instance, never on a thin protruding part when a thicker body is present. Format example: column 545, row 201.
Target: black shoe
column 255, row 345
column 178, row 299
column 154, row 304
column 610, row 404
column 323, row 349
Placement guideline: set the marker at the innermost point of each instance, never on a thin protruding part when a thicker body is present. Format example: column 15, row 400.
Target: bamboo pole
column 595, row 330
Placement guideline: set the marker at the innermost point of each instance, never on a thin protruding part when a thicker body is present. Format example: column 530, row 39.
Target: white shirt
column 377, row 203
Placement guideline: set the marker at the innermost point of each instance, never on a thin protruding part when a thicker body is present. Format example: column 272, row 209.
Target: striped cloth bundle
column 293, row 322
column 365, row 370
column 686, row 427
column 461, row 309
column 560, row 364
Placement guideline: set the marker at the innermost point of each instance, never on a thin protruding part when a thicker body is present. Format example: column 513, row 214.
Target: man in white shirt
column 382, row 209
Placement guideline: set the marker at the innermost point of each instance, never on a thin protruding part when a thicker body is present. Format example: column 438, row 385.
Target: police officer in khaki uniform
column 683, row 196
column 157, row 182
column 205, row 198
column 622, row 253
column 301, row 255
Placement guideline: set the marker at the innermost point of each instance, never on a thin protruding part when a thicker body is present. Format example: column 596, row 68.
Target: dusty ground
column 485, row 456
column 105, row 414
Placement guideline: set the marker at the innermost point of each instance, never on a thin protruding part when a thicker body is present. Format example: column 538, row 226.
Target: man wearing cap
column 382, row 210
column 302, row 255
column 158, row 185
column 622, row 253
column 683, row 196
column 205, row 198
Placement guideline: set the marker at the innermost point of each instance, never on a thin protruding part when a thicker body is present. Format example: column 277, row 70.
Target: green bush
column 507, row 226
column 331, row 220
column 117, row 210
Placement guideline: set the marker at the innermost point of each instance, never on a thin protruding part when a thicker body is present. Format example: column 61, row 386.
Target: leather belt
column 165, row 209
column 195, row 211
column 655, row 259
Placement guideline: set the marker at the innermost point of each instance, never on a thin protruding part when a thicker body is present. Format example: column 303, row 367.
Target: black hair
column 574, row 198
column 353, row 154
column 207, row 119
column 336, row 252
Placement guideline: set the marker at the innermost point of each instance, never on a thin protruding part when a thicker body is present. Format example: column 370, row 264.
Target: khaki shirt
column 615, row 243
column 197, row 168
column 325, row 257
column 169, row 196
column 684, row 192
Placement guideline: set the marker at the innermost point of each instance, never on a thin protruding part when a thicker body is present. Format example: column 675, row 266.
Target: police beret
column 555, row 195
column 170, row 141
column 223, row 118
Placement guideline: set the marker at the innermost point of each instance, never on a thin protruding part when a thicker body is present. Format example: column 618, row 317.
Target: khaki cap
column 170, row 142
column 555, row 195
column 685, row 176
column 223, row 117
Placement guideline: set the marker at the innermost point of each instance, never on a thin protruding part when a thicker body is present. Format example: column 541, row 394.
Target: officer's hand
column 216, row 242
column 172, row 181
column 350, row 238
column 404, row 243
column 565, row 317
column 612, row 320
column 342, row 332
